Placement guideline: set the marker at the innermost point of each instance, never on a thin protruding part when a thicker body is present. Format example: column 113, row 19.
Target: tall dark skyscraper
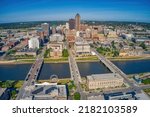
column 46, row 29
column 77, row 22
column 71, row 24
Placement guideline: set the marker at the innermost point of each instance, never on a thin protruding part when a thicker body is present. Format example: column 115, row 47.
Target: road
column 75, row 74
column 117, row 90
column 41, row 55
column 30, row 80
column 113, row 68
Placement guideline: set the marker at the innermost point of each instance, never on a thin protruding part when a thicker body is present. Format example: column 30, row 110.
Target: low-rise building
column 120, row 96
column 135, row 51
column 132, row 95
column 28, row 52
column 123, row 53
column 12, row 43
column 112, row 34
column 82, row 48
column 5, row 48
column 49, row 91
column 55, row 49
column 127, row 36
column 104, row 81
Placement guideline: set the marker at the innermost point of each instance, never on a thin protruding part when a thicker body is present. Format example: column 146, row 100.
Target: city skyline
column 77, row 50
column 49, row 10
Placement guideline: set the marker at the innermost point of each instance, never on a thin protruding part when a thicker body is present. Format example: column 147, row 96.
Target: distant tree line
column 19, row 25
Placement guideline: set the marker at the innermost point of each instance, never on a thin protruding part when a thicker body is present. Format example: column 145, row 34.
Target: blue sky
column 103, row 10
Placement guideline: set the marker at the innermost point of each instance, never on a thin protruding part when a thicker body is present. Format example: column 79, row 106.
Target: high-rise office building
column 53, row 29
column 67, row 25
column 34, row 43
column 77, row 22
column 71, row 24
column 46, row 29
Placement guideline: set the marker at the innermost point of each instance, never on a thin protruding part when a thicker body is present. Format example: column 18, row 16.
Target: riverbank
column 57, row 60
column 139, row 74
column 17, row 84
column 22, row 61
column 128, row 58
column 87, row 59
column 78, row 59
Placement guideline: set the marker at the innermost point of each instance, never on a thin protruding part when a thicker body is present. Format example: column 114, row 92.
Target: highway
column 30, row 79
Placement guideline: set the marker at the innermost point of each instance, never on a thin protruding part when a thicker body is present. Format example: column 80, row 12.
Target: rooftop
column 49, row 91
column 80, row 41
column 108, row 76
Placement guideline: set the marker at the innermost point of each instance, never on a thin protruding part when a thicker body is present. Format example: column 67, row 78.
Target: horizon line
column 71, row 18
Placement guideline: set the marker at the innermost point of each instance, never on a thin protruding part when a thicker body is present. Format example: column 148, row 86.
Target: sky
column 50, row 10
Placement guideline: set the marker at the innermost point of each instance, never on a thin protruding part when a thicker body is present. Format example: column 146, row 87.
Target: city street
column 30, row 80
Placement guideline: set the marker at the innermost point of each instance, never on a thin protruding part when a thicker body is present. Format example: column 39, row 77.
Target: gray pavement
column 30, row 80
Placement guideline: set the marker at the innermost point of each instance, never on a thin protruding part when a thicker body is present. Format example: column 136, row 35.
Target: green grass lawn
column 88, row 58
column 63, row 59
column 18, row 84
column 146, row 81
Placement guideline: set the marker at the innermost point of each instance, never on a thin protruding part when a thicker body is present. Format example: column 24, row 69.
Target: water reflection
column 18, row 72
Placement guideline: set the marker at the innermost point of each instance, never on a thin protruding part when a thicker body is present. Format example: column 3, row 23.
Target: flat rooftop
column 49, row 91
column 107, row 76
column 120, row 96
column 81, row 43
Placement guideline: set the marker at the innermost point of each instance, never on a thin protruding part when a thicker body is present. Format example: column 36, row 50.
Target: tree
column 77, row 96
column 146, row 81
column 65, row 53
column 116, row 53
column 8, row 84
column 71, row 85
column 47, row 53
column 11, row 52
column 13, row 94
column 100, row 50
column 131, row 44
column 143, row 45
column 1, row 83
column 113, row 44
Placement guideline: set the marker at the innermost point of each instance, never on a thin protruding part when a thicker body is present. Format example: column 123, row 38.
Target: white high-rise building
column 77, row 34
column 34, row 42
column 67, row 25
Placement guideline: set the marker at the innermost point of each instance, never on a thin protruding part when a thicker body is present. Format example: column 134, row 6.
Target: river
column 19, row 71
